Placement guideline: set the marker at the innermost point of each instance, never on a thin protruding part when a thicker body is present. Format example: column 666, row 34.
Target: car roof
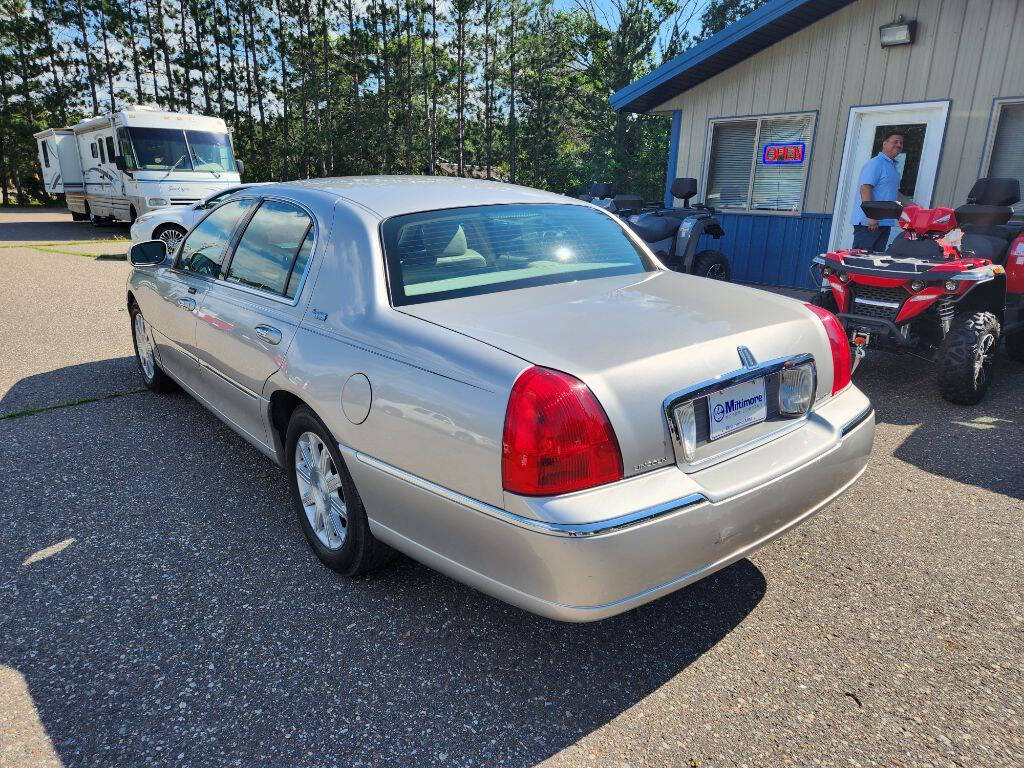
column 393, row 195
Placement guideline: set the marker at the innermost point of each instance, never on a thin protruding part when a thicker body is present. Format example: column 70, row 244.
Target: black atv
column 672, row 233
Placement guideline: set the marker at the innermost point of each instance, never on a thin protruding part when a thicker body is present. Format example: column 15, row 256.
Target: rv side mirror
column 241, row 167
column 148, row 253
column 119, row 163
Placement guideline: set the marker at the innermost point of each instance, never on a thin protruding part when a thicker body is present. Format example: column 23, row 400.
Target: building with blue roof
column 776, row 114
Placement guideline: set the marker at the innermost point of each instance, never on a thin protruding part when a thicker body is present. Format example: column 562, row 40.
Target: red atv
column 934, row 292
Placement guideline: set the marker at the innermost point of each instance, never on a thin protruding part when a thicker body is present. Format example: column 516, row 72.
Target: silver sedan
column 502, row 383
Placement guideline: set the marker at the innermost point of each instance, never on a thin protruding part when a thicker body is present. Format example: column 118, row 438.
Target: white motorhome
column 116, row 167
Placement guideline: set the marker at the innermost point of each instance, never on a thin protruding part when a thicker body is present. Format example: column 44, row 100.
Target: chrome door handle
column 269, row 334
column 187, row 303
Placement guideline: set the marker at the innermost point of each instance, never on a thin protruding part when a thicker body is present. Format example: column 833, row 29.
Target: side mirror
column 148, row 253
column 241, row 167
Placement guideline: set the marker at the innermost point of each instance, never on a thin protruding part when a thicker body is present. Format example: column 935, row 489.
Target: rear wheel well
column 282, row 406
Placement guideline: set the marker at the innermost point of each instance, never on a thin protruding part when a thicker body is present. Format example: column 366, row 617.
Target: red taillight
column 557, row 437
column 840, row 347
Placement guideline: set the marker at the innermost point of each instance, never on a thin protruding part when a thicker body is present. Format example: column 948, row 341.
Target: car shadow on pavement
column 977, row 445
column 85, row 381
column 159, row 599
column 44, row 231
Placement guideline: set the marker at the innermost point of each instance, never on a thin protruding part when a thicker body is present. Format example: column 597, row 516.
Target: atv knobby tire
column 966, row 356
column 1015, row 345
column 713, row 265
column 826, row 300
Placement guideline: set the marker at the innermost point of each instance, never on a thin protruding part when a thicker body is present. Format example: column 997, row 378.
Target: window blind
column 732, row 149
column 780, row 187
column 1007, row 159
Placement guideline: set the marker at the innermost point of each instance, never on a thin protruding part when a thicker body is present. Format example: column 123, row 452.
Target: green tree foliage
column 507, row 89
column 721, row 13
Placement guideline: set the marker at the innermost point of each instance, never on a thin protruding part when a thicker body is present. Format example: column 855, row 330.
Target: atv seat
column 924, row 249
column 651, row 227
column 985, row 246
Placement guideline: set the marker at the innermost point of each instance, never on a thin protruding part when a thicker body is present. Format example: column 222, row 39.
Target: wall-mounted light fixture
column 900, row 32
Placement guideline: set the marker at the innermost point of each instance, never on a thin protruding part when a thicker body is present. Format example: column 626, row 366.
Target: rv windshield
column 158, row 149
column 161, row 149
column 211, row 151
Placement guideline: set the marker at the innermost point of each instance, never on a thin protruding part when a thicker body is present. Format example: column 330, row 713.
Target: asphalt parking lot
column 159, row 605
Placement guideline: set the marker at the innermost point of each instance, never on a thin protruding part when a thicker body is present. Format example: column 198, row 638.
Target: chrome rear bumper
column 600, row 552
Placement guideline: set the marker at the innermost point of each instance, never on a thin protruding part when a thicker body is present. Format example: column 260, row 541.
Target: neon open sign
column 783, row 154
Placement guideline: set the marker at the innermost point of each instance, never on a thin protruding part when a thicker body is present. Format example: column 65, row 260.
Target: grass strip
column 69, row 404
column 34, row 244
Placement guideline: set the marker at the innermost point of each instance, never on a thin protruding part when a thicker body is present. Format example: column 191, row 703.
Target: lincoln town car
column 502, row 383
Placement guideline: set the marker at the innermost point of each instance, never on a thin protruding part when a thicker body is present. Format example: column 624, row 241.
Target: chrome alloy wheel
column 171, row 238
column 716, row 272
column 320, row 490
column 983, row 357
column 144, row 346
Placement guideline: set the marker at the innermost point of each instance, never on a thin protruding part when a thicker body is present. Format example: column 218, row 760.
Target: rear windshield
column 485, row 249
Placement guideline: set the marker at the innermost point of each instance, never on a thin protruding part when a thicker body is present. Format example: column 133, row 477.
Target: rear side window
column 103, row 158
column 483, row 249
column 110, row 149
column 204, row 248
column 274, row 247
column 46, row 154
column 93, row 150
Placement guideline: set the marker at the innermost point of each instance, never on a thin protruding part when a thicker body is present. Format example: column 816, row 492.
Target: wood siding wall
column 968, row 51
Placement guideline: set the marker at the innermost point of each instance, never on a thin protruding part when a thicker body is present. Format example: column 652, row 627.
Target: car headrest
column 994, row 191
column 601, row 189
column 684, row 188
column 444, row 238
column 410, row 245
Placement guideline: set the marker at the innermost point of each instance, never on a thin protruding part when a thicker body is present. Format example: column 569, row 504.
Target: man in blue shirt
column 879, row 180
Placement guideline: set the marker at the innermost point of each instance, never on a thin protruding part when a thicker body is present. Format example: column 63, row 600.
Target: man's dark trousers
column 870, row 241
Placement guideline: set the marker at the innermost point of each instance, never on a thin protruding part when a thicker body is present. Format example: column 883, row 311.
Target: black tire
column 1015, row 345
column 966, row 357
column 158, row 381
column 165, row 232
column 361, row 552
column 826, row 300
column 76, row 216
column 712, row 265
column 132, row 215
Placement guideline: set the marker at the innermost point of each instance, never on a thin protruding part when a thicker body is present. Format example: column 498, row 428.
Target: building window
column 1005, row 156
column 758, row 164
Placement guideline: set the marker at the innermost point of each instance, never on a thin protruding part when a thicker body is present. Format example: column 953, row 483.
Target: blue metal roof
column 767, row 25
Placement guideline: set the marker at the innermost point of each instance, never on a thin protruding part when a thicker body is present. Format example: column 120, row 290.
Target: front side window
column 214, row 200
column 469, row 251
column 268, row 252
column 203, row 250
column 759, row 164
column 211, row 151
column 160, row 149
column 126, row 149
column 110, row 149
column 46, row 154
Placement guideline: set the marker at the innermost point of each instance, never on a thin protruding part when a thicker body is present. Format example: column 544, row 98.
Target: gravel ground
column 158, row 604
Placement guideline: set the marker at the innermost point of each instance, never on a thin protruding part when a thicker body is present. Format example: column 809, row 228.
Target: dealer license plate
column 736, row 407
